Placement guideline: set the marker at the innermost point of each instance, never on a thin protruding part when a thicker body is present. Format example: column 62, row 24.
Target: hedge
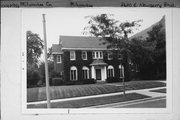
column 113, row 79
column 57, row 81
column 89, row 81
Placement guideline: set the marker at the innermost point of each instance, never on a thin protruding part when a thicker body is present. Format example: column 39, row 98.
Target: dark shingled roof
column 56, row 48
column 93, row 43
column 81, row 42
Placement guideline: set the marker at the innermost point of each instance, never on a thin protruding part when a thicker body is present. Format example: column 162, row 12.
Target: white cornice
column 84, row 49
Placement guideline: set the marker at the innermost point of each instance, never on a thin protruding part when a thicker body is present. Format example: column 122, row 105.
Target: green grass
column 92, row 101
column 159, row 90
column 59, row 92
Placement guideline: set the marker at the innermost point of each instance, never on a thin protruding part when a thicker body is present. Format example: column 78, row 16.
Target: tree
column 114, row 34
column 34, row 48
column 150, row 53
column 34, row 51
column 157, row 35
column 49, row 54
column 52, row 73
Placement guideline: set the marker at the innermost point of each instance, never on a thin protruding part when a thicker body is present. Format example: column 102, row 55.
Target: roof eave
column 84, row 48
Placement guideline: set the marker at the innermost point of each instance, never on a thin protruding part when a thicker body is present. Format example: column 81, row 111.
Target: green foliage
column 89, row 81
column 52, row 73
column 34, row 51
column 34, row 47
column 148, row 54
column 114, row 34
column 49, row 52
column 57, row 81
column 113, row 79
column 33, row 77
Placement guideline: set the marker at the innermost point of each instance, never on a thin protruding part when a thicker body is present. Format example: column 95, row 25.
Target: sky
column 71, row 21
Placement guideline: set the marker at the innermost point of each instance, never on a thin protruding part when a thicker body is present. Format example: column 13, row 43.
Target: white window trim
column 86, row 68
column 100, row 52
column 60, row 59
column 109, row 53
column 85, row 55
column 74, row 55
column 122, row 67
column 111, row 67
column 97, row 54
column 73, row 68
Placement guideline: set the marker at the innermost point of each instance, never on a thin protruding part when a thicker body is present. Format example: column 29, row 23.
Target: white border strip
column 106, row 110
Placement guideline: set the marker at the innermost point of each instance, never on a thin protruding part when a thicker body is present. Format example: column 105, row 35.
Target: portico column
column 105, row 72
column 93, row 72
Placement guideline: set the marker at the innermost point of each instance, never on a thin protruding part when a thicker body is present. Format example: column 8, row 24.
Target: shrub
column 113, row 79
column 57, row 81
column 89, row 81
column 33, row 77
column 74, row 83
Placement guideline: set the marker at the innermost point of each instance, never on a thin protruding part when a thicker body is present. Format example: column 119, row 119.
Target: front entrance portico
column 98, row 70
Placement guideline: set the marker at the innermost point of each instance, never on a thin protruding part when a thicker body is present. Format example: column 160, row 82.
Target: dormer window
column 84, row 55
column 72, row 55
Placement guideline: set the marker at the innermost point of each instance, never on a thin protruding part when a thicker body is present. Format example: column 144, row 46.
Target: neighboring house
column 80, row 57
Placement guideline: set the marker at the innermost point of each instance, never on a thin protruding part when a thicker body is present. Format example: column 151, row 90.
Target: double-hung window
column 121, row 68
column 84, row 55
column 72, row 55
column 59, row 59
column 110, row 71
column 97, row 54
column 73, row 73
column 85, row 73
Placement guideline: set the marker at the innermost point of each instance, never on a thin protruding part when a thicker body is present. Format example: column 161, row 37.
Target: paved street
column 159, row 102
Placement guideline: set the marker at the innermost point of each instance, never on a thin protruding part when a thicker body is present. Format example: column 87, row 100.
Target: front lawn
column 60, row 92
column 91, row 101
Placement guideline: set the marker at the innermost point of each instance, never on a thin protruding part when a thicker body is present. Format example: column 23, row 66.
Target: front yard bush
column 74, row 82
column 113, row 79
column 33, row 77
column 57, row 81
column 89, row 81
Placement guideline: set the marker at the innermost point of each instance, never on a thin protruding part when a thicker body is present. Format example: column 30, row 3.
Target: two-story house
column 80, row 57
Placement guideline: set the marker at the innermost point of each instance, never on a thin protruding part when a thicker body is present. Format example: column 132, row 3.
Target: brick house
column 80, row 57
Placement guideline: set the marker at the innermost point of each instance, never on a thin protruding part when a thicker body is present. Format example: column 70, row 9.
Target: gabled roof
column 92, row 43
column 56, row 49
column 82, row 43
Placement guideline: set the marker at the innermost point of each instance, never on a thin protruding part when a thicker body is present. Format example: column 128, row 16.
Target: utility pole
column 46, row 64
column 124, row 89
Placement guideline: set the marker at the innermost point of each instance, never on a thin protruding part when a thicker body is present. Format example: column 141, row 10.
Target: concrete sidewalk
column 142, row 91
